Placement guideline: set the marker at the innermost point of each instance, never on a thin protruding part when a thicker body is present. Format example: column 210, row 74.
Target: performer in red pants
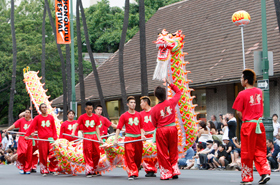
column 249, row 107
column 163, row 118
column 24, row 150
column 89, row 123
column 149, row 165
column 134, row 131
column 46, row 130
column 68, row 126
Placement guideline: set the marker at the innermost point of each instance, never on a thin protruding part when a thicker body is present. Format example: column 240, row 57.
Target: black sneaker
column 33, row 171
column 150, row 174
column 244, row 183
column 131, row 177
column 94, row 174
column 175, row 177
column 265, row 178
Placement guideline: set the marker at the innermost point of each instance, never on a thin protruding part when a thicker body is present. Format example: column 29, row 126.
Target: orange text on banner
column 62, row 21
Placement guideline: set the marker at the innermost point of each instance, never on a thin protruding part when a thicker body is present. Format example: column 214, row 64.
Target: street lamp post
column 267, row 121
column 241, row 19
column 72, row 61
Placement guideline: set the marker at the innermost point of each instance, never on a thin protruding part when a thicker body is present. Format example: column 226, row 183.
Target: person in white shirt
column 5, row 142
column 276, row 126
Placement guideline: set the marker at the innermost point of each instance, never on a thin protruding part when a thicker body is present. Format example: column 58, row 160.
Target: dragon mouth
column 163, row 52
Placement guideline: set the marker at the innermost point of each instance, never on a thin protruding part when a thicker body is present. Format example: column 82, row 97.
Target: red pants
column 167, row 151
column 150, row 165
column 34, row 157
column 253, row 148
column 133, row 156
column 91, row 153
column 45, row 152
column 24, row 151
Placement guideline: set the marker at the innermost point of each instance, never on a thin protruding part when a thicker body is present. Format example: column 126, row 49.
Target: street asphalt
column 9, row 176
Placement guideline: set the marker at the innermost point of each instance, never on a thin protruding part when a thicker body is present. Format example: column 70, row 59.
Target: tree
column 97, row 81
column 121, row 48
column 43, row 64
column 13, row 85
column 80, row 59
column 143, row 61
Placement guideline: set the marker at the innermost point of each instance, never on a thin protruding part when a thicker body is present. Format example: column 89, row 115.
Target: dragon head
column 168, row 43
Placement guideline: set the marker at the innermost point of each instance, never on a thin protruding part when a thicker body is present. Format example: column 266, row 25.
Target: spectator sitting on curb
column 221, row 160
column 203, row 155
column 278, row 160
column 213, row 154
column 272, row 152
column 182, row 163
column 235, row 153
column 199, row 148
column 228, row 147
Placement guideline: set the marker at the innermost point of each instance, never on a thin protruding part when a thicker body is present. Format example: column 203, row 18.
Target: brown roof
column 212, row 41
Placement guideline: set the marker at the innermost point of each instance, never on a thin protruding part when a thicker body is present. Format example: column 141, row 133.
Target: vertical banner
column 62, row 19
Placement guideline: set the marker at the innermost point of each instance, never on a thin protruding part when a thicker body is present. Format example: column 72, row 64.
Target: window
column 113, row 108
column 200, row 100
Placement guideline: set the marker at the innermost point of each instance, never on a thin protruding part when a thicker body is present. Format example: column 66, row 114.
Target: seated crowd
column 217, row 147
column 8, row 148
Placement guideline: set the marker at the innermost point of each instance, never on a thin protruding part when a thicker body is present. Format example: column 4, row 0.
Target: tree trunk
column 97, row 81
column 121, row 49
column 13, row 85
column 277, row 9
column 68, row 71
column 43, row 64
column 80, row 60
column 144, row 80
column 62, row 63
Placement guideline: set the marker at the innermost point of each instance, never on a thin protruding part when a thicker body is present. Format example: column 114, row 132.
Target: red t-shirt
column 88, row 123
column 45, row 126
column 104, row 125
column 164, row 113
column 22, row 124
column 249, row 103
column 67, row 128
column 147, row 122
column 133, row 122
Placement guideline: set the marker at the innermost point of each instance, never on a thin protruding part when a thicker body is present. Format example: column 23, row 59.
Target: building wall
column 219, row 100
column 274, row 93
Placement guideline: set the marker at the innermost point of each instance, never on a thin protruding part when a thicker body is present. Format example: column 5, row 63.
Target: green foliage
column 105, row 23
column 104, row 26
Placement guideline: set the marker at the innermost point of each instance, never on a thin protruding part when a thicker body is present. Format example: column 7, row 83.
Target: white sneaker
column 21, row 171
column 88, row 175
column 44, row 175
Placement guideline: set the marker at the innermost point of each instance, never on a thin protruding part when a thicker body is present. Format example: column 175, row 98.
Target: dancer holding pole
column 163, row 118
column 134, row 131
column 89, row 123
column 24, row 150
column 46, row 131
column 148, row 165
column 67, row 127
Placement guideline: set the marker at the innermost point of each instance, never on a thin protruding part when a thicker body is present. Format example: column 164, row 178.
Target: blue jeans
column 189, row 155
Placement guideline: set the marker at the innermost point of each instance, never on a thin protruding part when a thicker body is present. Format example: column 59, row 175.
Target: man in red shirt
column 89, row 123
column 24, row 150
column 163, row 118
column 67, row 127
column 46, row 130
column 148, row 165
column 104, row 122
column 134, row 131
column 249, row 107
